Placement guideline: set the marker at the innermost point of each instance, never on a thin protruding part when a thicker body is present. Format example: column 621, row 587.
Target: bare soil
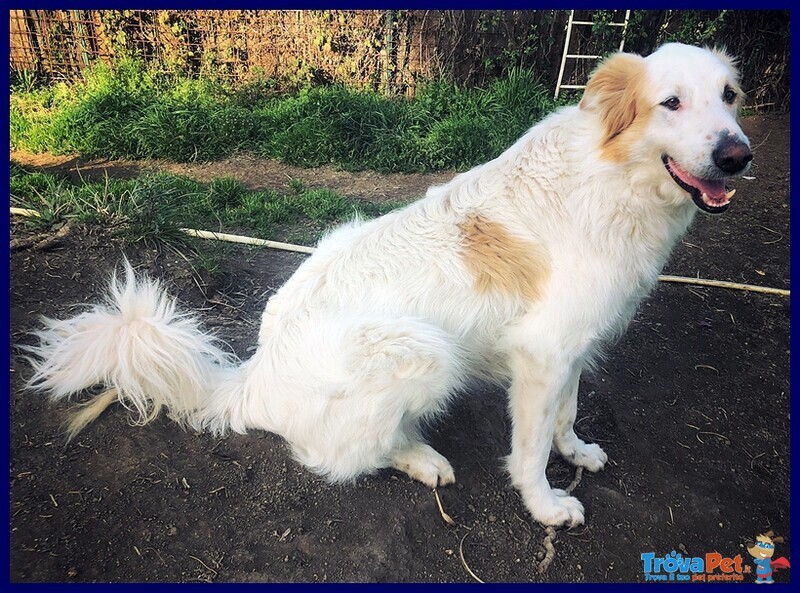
column 254, row 172
column 692, row 406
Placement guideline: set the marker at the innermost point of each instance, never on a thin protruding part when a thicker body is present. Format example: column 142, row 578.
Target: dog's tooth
column 729, row 195
column 705, row 197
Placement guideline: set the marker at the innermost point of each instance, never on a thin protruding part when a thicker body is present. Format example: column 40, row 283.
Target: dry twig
column 463, row 560
column 447, row 518
column 550, row 532
column 724, row 284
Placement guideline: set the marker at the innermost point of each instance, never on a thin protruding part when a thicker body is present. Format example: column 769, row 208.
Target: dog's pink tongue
column 713, row 188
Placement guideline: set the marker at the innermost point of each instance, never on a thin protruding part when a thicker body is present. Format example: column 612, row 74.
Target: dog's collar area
column 710, row 195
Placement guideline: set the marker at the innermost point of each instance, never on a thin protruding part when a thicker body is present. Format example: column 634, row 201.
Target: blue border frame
column 385, row 4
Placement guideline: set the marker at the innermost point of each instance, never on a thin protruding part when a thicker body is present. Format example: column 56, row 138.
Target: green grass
column 153, row 208
column 130, row 112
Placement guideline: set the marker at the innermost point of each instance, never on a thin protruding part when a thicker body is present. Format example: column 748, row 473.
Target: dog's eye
column 672, row 103
column 729, row 96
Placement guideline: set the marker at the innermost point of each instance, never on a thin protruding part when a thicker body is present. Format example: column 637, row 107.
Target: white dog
column 518, row 271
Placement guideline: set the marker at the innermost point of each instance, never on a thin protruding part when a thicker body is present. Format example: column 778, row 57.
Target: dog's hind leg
column 393, row 375
column 567, row 443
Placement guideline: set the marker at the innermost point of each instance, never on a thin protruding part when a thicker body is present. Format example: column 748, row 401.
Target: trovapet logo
column 715, row 567
column 712, row 567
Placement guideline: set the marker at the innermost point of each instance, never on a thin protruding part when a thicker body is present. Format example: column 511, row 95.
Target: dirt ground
column 254, row 172
column 692, row 406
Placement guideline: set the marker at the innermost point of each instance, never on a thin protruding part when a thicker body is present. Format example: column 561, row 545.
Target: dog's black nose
column 732, row 155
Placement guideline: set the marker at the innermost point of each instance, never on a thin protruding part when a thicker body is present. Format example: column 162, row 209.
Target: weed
column 154, row 208
column 226, row 192
column 159, row 207
column 40, row 192
column 209, row 259
column 129, row 111
column 297, row 186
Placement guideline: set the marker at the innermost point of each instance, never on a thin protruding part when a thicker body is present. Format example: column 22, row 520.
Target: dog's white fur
column 517, row 270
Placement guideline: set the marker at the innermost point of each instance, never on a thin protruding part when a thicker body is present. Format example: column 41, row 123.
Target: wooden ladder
column 568, row 56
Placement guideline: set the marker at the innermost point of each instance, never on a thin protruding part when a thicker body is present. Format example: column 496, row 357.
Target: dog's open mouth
column 708, row 194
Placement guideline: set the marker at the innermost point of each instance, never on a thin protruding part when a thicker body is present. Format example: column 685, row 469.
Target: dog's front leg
column 537, row 384
column 567, row 443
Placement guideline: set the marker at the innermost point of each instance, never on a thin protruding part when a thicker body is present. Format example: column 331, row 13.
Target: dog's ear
column 722, row 53
column 614, row 91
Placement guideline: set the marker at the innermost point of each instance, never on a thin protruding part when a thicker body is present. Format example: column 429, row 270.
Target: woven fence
column 389, row 51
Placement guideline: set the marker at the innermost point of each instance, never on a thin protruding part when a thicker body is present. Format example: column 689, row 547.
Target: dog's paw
column 423, row 463
column 580, row 454
column 556, row 508
column 589, row 456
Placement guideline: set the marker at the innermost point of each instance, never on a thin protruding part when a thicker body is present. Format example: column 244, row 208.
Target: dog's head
column 677, row 108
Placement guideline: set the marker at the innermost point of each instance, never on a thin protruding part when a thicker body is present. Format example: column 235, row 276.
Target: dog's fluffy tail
column 148, row 355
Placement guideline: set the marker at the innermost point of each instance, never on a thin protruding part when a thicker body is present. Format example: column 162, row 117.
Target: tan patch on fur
column 616, row 92
column 501, row 262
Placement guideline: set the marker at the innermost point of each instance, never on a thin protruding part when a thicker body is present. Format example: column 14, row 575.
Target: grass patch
column 153, row 208
column 130, row 112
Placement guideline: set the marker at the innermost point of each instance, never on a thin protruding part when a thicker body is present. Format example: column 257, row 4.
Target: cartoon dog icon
column 762, row 552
